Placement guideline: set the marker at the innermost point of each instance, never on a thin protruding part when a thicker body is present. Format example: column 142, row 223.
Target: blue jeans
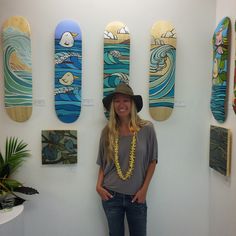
column 120, row 205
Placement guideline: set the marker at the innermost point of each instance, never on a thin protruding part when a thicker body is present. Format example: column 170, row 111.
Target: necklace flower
column 131, row 158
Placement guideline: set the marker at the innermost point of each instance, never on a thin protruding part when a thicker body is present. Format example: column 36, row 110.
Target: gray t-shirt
column 146, row 151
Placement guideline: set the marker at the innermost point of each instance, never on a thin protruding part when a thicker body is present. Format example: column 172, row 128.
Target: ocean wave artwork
column 68, row 71
column 17, row 66
column 116, row 57
column 162, row 70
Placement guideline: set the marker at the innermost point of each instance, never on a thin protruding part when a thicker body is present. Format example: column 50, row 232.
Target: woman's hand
column 104, row 194
column 140, row 196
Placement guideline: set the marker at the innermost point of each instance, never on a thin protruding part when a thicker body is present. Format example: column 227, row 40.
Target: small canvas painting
column 220, row 149
column 59, row 146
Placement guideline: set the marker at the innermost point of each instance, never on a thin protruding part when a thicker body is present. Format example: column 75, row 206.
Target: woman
column 127, row 158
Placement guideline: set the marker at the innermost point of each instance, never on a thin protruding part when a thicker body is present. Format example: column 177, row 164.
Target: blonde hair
column 111, row 130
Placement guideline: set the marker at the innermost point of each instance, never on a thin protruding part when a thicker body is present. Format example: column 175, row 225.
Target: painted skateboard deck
column 17, row 65
column 68, row 71
column 234, row 99
column 220, row 71
column 162, row 70
column 116, row 56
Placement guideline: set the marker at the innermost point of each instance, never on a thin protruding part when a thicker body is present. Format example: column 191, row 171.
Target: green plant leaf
column 1, row 163
column 1, row 160
column 11, row 183
column 15, row 153
column 26, row 190
column 5, row 172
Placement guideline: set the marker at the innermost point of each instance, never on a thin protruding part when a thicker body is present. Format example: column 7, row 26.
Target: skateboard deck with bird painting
column 116, row 56
column 234, row 96
column 17, row 65
column 68, row 71
column 162, row 70
column 220, row 73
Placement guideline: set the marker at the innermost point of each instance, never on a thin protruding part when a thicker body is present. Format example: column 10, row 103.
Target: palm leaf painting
column 220, row 148
column 59, row 146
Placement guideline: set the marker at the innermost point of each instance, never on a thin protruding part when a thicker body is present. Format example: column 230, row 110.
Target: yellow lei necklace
column 131, row 158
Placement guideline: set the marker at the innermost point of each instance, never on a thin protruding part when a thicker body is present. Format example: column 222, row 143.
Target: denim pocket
column 113, row 193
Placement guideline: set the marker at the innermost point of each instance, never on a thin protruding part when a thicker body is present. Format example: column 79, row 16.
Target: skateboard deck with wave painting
column 17, row 65
column 68, row 71
column 116, row 56
column 234, row 98
column 162, row 70
column 220, row 72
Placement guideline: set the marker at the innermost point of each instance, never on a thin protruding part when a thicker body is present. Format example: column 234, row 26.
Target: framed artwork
column 220, row 149
column 59, row 146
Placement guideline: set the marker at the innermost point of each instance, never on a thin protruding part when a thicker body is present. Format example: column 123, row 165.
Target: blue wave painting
column 68, row 71
column 220, row 69
column 116, row 57
column 161, row 87
column 116, row 66
column 17, row 72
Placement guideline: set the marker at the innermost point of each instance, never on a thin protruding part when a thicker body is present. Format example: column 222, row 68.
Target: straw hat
column 123, row 88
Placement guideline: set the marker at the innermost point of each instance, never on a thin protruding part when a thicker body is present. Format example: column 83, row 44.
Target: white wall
column 68, row 204
column 222, row 192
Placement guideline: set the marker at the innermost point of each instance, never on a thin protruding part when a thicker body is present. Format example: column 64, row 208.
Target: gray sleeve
column 100, row 156
column 153, row 145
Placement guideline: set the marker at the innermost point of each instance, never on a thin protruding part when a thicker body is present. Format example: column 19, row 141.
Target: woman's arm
column 140, row 196
column 104, row 194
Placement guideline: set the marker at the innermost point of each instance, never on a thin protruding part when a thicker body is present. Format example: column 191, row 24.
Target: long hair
column 111, row 130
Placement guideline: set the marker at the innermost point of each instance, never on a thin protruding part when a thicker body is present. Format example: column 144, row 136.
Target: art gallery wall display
column 68, row 71
column 162, row 70
column 220, row 72
column 234, row 94
column 116, row 56
column 59, row 146
column 220, row 149
column 17, row 66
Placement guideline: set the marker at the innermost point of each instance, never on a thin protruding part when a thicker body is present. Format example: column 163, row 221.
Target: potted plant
column 16, row 153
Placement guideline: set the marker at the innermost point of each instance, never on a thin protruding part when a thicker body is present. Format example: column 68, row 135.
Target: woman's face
column 122, row 105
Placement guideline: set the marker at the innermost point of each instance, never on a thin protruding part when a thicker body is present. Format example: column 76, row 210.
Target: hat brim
column 137, row 100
